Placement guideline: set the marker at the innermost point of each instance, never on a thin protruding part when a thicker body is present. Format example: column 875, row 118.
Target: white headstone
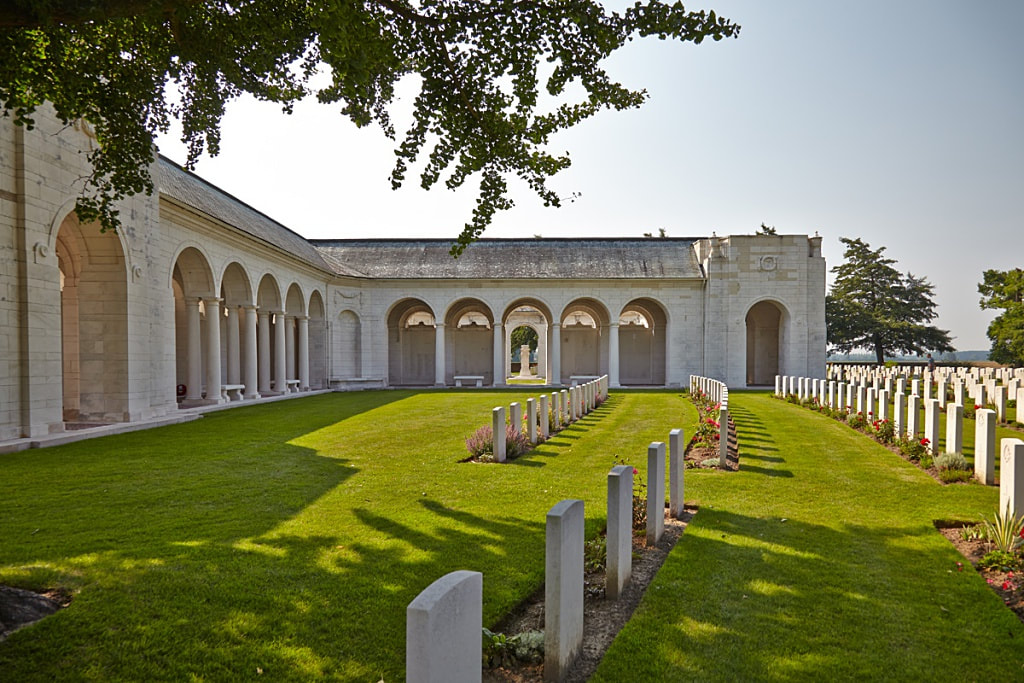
column 531, row 420
column 543, row 414
column 913, row 416
column 655, row 491
column 563, row 589
column 931, row 424
column 619, row 538
column 676, row 472
column 985, row 446
column 498, row 432
column 1011, row 476
column 954, row 428
column 723, row 437
column 442, row 630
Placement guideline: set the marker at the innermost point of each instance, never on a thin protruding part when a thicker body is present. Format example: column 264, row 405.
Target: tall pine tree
column 873, row 306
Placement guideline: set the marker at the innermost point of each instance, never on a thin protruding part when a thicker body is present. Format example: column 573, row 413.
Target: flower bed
column 703, row 447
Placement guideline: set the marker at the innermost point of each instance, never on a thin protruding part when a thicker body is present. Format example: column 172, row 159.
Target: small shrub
column 480, row 442
column 952, row 476
column 999, row 559
column 973, row 532
column 951, row 461
column 925, row 461
column 595, row 554
column 884, row 431
column 516, row 442
column 856, row 420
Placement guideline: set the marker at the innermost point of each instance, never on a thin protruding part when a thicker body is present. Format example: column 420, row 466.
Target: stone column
column 499, row 356
column 263, row 353
column 213, row 349
column 234, row 356
column 280, row 364
column 303, row 321
column 613, row 354
column 289, row 348
column 439, row 354
column 249, row 377
column 556, row 354
column 194, row 378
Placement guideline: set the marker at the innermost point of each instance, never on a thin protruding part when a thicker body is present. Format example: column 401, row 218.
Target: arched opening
column 348, row 346
column 536, row 317
column 642, row 335
column 584, row 340
column 191, row 282
column 94, row 324
column 764, row 327
column 523, row 346
column 469, row 341
column 411, row 343
column 317, row 342
column 296, row 348
column 270, row 315
column 236, row 294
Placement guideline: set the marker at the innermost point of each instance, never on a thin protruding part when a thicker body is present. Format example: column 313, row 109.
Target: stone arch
column 295, row 308
column 235, row 294
column 192, row 281
column 270, row 311
column 642, row 334
column 766, row 322
column 411, row 343
column 469, row 340
column 317, row 341
column 348, row 345
column 94, row 323
column 536, row 314
column 584, row 339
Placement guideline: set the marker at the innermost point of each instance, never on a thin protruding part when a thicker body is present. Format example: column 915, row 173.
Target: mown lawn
column 818, row 560
column 287, row 539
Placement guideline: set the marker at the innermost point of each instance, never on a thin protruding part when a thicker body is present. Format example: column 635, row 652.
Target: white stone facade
column 101, row 328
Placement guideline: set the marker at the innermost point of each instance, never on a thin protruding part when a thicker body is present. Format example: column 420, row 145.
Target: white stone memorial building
column 201, row 299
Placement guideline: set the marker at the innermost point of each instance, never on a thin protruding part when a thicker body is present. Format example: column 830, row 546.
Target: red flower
column 977, row 407
column 925, row 442
column 636, row 471
column 1006, row 585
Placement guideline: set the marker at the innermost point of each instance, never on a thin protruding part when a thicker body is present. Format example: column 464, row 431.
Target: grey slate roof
column 175, row 182
column 486, row 259
column 552, row 258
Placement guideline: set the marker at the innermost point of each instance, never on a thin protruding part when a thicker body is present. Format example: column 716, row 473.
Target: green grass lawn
column 288, row 538
column 818, row 560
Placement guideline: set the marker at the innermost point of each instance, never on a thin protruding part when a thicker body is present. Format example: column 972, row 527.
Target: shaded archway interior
column 764, row 329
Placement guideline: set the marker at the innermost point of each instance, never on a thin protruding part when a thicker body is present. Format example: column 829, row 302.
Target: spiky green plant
column 1005, row 530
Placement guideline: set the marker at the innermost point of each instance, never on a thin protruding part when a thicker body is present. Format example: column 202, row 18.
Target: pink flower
column 636, row 471
column 1006, row 585
column 988, row 581
column 959, row 566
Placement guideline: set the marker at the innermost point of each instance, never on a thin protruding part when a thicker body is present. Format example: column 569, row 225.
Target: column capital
column 303, row 318
column 554, row 324
column 250, row 307
column 439, row 325
column 614, row 324
column 212, row 299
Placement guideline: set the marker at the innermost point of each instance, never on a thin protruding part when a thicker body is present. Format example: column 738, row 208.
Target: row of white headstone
column 444, row 622
column 982, row 385
column 905, row 414
column 567, row 406
column 717, row 391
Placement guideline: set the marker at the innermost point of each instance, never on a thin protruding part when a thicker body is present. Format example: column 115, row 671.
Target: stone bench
column 460, row 378
column 232, row 392
column 581, row 379
column 293, row 386
column 356, row 383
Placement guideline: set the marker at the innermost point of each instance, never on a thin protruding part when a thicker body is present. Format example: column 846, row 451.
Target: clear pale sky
column 900, row 122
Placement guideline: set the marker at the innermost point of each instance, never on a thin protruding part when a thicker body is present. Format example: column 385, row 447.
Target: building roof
column 492, row 259
column 189, row 189
column 487, row 259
